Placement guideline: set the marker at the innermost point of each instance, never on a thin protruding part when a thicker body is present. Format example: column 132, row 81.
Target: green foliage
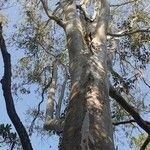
column 36, row 36
column 42, row 42
column 7, row 136
column 139, row 140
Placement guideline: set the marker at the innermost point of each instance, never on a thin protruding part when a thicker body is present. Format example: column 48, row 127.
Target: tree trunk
column 88, row 122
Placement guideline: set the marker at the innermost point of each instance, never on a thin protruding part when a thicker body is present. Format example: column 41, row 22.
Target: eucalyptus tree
column 97, row 52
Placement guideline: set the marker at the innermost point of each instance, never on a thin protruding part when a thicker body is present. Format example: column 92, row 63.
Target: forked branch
column 51, row 15
column 130, row 109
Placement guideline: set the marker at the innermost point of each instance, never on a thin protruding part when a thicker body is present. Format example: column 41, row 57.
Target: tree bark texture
column 88, row 122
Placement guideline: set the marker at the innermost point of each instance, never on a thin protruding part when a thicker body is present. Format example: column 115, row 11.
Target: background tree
column 11, row 111
column 58, row 37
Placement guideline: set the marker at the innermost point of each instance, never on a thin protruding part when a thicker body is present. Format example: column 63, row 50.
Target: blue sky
column 26, row 101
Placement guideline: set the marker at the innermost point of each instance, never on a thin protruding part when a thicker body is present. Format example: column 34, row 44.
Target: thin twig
column 52, row 16
column 127, row 122
column 122, row 4
column 127, row 33
column 39, row 106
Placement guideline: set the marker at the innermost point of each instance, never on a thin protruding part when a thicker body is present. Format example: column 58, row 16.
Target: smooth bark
column 88, row 122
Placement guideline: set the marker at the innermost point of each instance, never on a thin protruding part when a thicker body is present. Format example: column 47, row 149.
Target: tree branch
column 127, row 121
column 84, row 13
column 52, row 16
column 123, row 122
column 126, row 33
column 130, row 109
column 122, row 4
column 6, row 86
column 143, row 147
column 39, row 107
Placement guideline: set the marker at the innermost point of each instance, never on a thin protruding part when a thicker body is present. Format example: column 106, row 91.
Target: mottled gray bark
column 88, row 122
